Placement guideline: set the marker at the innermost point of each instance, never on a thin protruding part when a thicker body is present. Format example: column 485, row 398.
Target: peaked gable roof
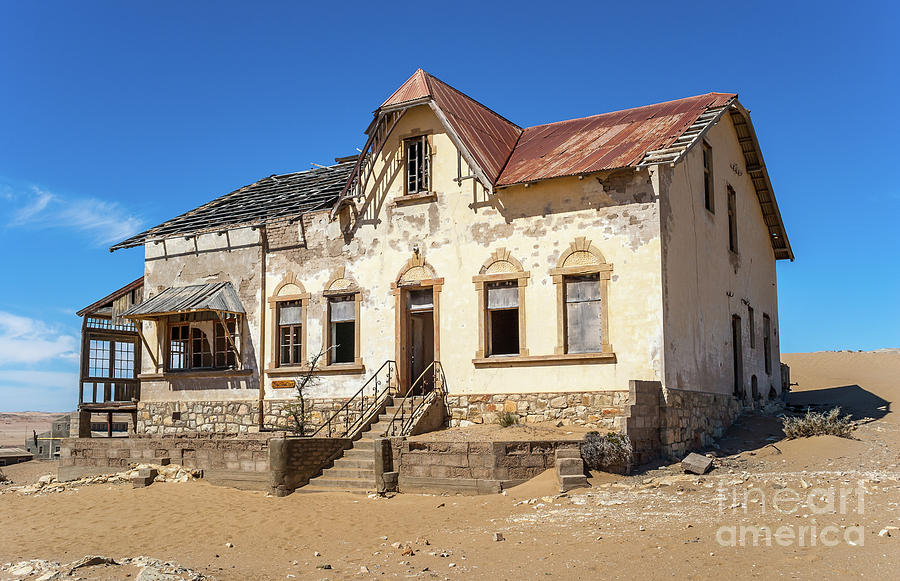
column 488, row 136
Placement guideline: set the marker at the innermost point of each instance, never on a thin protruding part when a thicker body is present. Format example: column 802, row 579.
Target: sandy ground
column 655, row 524
column 16, row 426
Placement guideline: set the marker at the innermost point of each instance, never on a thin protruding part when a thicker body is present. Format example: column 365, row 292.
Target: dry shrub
column 601, row 452
column 2, row 476
column 829, row 423
column 507, row 419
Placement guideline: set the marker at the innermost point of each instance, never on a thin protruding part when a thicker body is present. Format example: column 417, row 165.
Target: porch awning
column 220, row 297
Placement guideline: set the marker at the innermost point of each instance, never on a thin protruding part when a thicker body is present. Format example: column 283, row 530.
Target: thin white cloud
column 28, row 341
column 105, row 221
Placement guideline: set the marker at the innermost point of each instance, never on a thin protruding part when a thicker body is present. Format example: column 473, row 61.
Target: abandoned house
column 615, row 271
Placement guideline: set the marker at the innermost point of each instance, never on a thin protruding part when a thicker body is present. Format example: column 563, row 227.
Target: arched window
column 288, row 306
column 500, row 285
column 582, row 278
column 342, row 302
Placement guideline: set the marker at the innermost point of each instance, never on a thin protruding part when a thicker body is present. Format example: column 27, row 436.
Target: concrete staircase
column 354, row 471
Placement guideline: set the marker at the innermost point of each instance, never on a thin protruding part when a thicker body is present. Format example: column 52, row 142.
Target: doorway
column 420, row 332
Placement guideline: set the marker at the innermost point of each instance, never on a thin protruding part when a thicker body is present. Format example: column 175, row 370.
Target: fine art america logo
column 805, row 505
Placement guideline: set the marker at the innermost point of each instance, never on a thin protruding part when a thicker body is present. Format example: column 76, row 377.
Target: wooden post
column 109, row 424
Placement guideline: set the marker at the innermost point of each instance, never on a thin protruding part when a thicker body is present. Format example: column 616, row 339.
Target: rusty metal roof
column 603, row 142
column 217, row 296
column 488, row 136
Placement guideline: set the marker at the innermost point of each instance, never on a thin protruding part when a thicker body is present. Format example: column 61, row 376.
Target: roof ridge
column 467, row 96
column 628, row 109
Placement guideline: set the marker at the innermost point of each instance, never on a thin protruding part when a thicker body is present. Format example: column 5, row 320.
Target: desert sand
column 16, row 426
column 657, row 523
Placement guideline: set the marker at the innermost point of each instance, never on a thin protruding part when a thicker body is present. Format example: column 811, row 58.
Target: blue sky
column 116, row 116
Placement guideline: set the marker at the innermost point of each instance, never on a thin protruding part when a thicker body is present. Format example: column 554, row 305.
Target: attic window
column 418, row 164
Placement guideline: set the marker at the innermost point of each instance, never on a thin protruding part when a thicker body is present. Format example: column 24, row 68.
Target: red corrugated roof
column 603, row 142
column 488, row 136
column 508, row 155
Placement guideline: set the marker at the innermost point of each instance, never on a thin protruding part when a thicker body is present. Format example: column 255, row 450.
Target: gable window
column 418, row 162
column 342, row 329
column 502, row 303
column 708, row 189
column 584, row 314
column 732, row 221
column 767, row 343
column 201, row 341
column 290, row 333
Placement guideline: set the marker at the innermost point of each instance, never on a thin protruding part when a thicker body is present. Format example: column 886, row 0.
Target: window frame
column 514, row 273
column 751, row 326
column 732, row 220
column 423, row 140
column 604, row 271
column 275, row 301
column 709, row 184
column 192, row 325
column 767, row 343
column 346, row 295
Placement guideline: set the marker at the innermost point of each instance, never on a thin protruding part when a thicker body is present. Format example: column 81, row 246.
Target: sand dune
column 652, row 525
column 16, row 426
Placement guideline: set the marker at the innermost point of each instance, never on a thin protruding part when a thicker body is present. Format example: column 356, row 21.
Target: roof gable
column 486, row 135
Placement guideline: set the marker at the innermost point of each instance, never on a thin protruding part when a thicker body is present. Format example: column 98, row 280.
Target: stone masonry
column 604, row 410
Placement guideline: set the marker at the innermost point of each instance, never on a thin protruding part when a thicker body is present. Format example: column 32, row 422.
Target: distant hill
column 16, row 426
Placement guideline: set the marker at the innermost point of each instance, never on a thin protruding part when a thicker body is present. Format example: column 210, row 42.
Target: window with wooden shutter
column 584, row 314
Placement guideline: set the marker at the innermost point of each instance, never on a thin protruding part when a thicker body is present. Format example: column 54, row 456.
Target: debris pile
column 140, row 568
column 49, row 484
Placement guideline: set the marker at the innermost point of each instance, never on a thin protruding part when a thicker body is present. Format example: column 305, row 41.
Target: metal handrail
column 407, row 424
column 364, row 410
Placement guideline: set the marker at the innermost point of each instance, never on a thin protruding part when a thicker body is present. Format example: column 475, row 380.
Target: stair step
column 349, row 474
column 344, row 483
column 357, row 463
column 312, row 489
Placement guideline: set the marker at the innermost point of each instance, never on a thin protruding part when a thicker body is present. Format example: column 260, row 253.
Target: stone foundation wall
column 604, row 410
column 694, row 419
column 294, row 461
column 223, row 460
column 476, row 467
column 227, row 417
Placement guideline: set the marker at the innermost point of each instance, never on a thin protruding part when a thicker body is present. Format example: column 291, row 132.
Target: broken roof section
column 277, row 197
column 107, row 302
column 218, row 296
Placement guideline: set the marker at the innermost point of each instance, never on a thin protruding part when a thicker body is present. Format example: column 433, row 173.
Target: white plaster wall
column 704, row 283
column 457, row 233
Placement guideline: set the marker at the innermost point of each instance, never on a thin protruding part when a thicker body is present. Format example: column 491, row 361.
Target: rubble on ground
column 140, row 568
column 49, row 484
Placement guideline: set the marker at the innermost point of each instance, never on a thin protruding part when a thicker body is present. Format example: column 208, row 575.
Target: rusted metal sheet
column 414, row 88
column 602, row 142
column 218, row 296
column 487, row 135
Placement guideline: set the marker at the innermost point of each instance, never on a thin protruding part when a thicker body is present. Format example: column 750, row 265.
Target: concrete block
column 696, row 464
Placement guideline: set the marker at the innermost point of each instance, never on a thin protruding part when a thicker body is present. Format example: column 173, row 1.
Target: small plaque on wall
column 283, row 384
